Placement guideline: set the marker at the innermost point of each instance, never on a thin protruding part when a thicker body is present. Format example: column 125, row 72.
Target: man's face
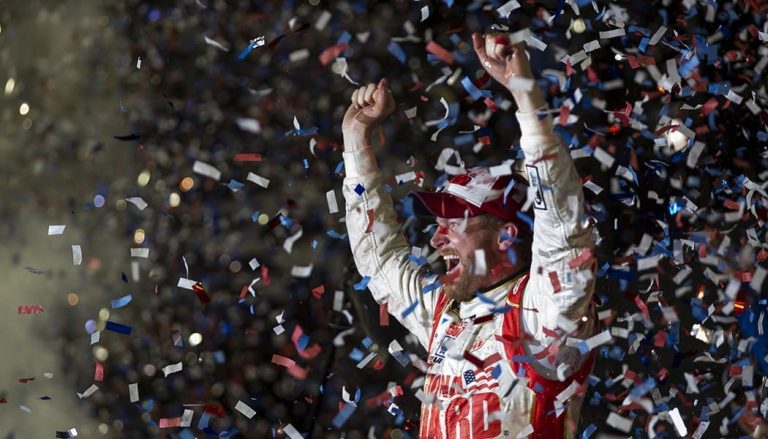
column 456, row 239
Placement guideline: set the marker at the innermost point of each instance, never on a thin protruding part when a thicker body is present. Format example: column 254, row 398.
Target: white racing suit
column 510, row 365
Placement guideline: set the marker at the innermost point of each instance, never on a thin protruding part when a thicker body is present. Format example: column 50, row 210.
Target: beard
column 462, row 288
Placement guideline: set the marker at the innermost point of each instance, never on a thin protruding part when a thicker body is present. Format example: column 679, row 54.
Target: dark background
column 97, row 124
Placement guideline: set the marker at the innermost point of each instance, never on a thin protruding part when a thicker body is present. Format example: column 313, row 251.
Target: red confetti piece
column 564, row 113
column 332, row 53
column 553, row 279
column 170, row 422
column 26, row 380
column 247, row 157
column 580, row 260
column 643, row 307
column 474, row 360
column 265, row 274
column 31, row 309
column 369, row 227
column 214, row 410
column 318, row 291
column 201, row 294
column 98, row 374
column 490, row 104
column 378, row 364
column 440, row 52
column 383, row 315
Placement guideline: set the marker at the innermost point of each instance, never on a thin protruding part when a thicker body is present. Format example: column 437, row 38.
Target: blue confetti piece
column 507, row 190
column 219, row 357
column 484, row 298
column 367, row 342
column 344, row 38
column 430, row 287
column 525, row 218
column 235, row 185
column 339, row 168
column 418, row 260
column 116, row 327
column 363, row 284
column 396, row 51
column 522, row 358
column 410, row 309
column 245, row 52
column 359, row 189
column 387, row 188
column 121, row 302
column 356, row 354
column 186, row 434
column 314, row 244
column 341, row 418
column 336, row 235
column 588, row 431
column 255, row 216
column 512, row 256
column 306, row 164
column 147, row 405
column 303, row 342
column 473, row 90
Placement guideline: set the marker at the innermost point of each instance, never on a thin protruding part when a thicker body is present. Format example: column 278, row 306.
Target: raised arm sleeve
column 381, row 251
column 560, row 293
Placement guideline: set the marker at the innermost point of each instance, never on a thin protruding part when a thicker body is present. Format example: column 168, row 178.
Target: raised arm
column 379, row 249
column 562, row 273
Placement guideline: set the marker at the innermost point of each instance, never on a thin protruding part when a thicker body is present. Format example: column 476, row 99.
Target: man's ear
column 507, row 236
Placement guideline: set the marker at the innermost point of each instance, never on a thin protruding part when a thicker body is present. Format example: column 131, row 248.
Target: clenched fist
column 370, row 105
column 508, row 64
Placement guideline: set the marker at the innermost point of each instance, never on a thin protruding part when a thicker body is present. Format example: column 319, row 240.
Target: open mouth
column 452, row 264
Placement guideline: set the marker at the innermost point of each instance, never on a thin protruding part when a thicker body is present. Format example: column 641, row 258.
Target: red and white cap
column 474, row 193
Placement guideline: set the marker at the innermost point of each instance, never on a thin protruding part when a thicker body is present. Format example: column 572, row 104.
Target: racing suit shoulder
column 381, row 252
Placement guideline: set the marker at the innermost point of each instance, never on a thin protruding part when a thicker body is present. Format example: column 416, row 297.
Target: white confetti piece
column 677, row 421
column 323, row 20
column 245, row 409
column 135, row 271
column 138, row 64
column 56, row 230
column 291, row 240
column 291, row 432
column 507, row 8
column 133, row 392
column 599, row 339
column 95, row 337
column 254, row 264
column 186, row 418
column 733, row 97
column 364, row 362
column 248, row 124
column 612, row 33
column 410, row 113
column 596, row 189
column 298, row 55
column 338, row 300
column 536, row 43
column 301, row 271
column 519, row 36
column 140, row 252
column 88, row 392
column 591, row 46
column 405, row 177
column 525, row 432
column 207, row 170
column 343, row 68
column 216, row 44
column 603, row 157
column 619, row 422
column 278, row 329
column 694, row 154
column 480, row 266
column 77, row 255
column 186, row 283
column 172, row 368
column 138, row 202
column 424, row 12
column 330, row 197
column 657, row 36
column 257, row 179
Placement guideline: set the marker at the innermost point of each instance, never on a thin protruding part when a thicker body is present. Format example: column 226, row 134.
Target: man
column 504, row 326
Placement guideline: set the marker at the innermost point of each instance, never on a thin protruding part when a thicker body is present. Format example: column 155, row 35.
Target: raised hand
column 370, row 105
column 508, row 64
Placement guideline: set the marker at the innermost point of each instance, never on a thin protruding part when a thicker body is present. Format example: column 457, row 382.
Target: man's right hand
column 370, row 105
